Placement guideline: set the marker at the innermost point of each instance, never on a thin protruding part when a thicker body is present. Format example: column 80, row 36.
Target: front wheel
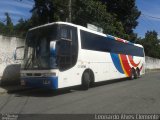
column 86, row 81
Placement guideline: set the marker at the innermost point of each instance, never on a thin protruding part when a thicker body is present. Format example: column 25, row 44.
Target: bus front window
column 38, row 53
column 51, row 47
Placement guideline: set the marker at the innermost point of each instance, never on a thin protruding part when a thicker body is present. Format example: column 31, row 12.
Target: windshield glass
column 38, row 51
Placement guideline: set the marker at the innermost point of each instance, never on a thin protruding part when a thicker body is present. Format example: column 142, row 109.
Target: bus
column 61, row 54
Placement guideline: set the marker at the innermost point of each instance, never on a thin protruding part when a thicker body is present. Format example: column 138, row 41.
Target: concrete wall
column 9, row 68
column 152, row 63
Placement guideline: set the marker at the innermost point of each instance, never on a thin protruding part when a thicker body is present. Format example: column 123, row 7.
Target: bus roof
column 88, row 30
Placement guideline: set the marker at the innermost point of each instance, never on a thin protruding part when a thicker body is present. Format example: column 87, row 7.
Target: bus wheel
column 132, row 74
column 138, row 73
column 135, row 74
column 86, row 81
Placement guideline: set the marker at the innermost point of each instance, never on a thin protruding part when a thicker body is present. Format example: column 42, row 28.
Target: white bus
column 61, row 54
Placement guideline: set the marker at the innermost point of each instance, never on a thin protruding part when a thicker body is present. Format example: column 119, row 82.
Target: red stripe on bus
column 132, row 62
column 141, row 67
column 119, row 39
column 125, row 64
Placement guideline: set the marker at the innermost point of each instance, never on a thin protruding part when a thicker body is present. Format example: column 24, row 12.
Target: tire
column 86, row 80
column 132, row 74
column 138, row 73
column 135, row 74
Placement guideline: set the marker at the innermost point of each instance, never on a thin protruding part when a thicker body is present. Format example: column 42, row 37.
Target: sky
column 150, row 17
column 18, row 9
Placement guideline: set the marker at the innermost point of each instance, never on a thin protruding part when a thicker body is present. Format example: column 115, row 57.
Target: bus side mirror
column 19, row 53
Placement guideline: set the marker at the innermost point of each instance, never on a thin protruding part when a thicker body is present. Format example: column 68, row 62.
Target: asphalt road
column 121, row 96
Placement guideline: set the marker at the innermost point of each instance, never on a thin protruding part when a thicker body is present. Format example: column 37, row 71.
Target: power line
column 22, row 1
column 151, row 22
column 148, row 22
column 150, row 16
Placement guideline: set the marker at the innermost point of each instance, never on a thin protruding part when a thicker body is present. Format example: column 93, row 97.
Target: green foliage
column 7, row 29
column 151, row 44
column 44, row 10
column 22, row 27
column 2, row 28
column 94, row 12
column 18, row 30
column 116, row 17
column 83, row 12
column 126, row 12
column 9, row 24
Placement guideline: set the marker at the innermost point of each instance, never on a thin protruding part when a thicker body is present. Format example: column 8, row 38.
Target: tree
column 9, row 28
column 22, row 27
column 44, row 10
column 94, row 12
column 2, row 27
column 110, row 17
column 83, row 12
column 125, row 11
column 151, row 44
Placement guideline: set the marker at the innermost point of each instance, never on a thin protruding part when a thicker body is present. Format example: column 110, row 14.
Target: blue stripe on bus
column 116, row 61
column 53, row 52
column 55, row 82
column 109, row 37
column 38, row 82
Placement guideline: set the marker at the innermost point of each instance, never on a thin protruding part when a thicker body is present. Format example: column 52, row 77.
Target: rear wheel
column 86, row 80
column 138, row 73
column 132, row 74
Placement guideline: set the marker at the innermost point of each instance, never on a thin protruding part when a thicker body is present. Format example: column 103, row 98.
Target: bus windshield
column 37, row 53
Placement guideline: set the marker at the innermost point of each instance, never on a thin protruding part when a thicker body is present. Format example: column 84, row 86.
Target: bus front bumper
column 40, row 82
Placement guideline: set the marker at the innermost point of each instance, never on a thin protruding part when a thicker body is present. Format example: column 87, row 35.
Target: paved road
column 126, row 96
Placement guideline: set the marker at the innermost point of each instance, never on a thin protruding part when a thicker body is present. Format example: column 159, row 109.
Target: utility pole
column 70, row 10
